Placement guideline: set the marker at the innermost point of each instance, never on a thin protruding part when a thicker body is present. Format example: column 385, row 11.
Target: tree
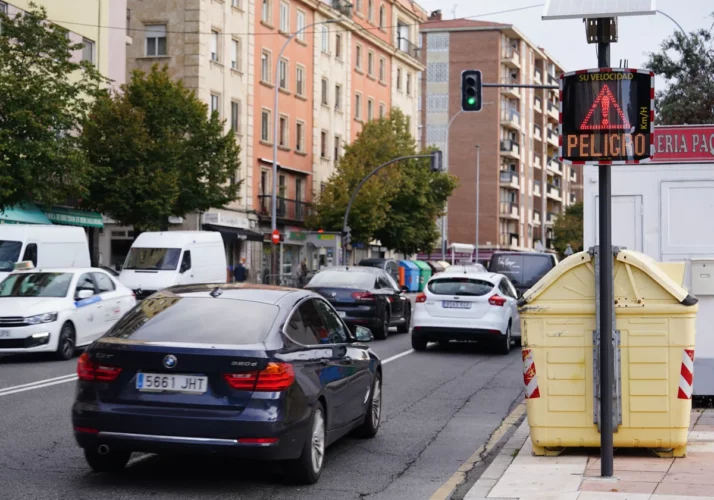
column 44, row 99
column 399, row 205
column 689, row 96
column 158, row 153
column 568, row 229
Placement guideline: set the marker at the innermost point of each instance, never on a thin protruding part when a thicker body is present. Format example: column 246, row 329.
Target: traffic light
column 347, row 237
column 437, row 161
column 471, row 90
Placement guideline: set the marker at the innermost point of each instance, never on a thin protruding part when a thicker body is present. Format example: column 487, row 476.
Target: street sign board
column 607, row 116
column 579, row 9
column 684, row 144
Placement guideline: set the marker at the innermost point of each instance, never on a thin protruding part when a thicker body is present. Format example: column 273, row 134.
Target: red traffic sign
column 276, row 237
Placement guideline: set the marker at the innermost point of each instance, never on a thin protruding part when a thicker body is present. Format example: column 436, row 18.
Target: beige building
column 523, row 189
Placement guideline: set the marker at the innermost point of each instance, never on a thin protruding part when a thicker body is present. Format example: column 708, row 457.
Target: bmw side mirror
column 363, row 334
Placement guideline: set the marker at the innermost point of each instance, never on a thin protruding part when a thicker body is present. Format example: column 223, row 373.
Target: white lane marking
column 71, row 378
column 395, row 357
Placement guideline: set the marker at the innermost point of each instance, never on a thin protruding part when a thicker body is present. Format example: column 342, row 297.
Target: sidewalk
column 516, row 474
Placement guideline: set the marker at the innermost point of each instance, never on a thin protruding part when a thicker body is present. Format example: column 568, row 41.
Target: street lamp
column 274, row 197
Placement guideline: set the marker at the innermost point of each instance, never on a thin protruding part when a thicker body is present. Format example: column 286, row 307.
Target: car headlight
column 41, row 318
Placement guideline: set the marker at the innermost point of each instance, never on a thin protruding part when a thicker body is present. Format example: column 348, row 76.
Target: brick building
column 522, row 189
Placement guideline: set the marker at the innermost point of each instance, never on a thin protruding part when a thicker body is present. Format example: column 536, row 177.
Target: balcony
column 537, row 106
column 511, row 57
column 554, row 193
column 512, row 92
column 553, row 80
column 537, row 133
column 509, row 210
column 572, row 200
column 510, row 149
column 537, row 163
column 552, row 137
column 536, row 189
column 509, row 179
column 573, row 175
column 538, row 77
column 344, row 7
column 536, row 219
column 408, row 47
column 555, row 167
column 509, row 240
column 552, row 217
column 288, row 210
column 553, row 111
column 511, row 118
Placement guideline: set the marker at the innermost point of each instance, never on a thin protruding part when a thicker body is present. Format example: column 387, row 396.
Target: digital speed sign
column 608, row 116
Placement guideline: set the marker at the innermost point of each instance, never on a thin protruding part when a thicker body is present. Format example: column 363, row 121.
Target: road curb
column 459, row 477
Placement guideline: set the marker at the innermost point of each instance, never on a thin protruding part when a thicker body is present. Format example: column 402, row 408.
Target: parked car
column 469, row 307
column 365, row 296
column 249, row 371
column 58, row 310
column 161, row 260
column 523, row 269
column 44, row 246
column 390, row 266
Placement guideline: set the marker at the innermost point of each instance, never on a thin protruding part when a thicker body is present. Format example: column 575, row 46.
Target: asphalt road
column 439, row 407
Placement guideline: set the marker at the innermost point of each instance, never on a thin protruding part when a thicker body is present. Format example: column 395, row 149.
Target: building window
column 283, row 131
column 338, row 97
column 265, row 126
column 87, row 50
column 235, row 117
column 336, row 147
column 283, row 74
column 370, row 110
column 215, row 104
column 284, row 17
column 382, row 110
column 325, row 40
column 324, row 99
column 300, row 81
column 300, row 137
column 382, row 17
column 358, row 106
column 370, row 10
column 358, row 6
column 300, row 25
column 409, row 84
column 214, row 45
column 399, row 78
column 382, row 70
column 358, row 57
column 155, row 40
column 338, row 46
column 265, row 14
column 323, row 144
column 370, row 63
column 235, row 55
column 3, row 9
column 236, row 4
column 299, row 191
column 265, row 66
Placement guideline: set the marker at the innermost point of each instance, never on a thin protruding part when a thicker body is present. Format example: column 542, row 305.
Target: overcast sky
column 565, row 40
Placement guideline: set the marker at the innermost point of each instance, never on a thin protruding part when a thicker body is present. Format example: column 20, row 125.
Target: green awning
column 71, row 217
column 27, row 214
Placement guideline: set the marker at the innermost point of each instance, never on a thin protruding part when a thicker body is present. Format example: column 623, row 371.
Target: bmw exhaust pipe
column 103, row 449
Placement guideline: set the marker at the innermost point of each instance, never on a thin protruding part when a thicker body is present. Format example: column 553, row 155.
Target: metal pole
column 606, row 285
column 276, row 117
column 443, row 219
column 674, row 21
column 478, row 192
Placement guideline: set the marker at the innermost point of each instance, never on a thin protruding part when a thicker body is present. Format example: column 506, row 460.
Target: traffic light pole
column 346, row 231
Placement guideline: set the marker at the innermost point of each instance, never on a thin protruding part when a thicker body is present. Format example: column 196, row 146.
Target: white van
column 46, row 246
column 160, row 260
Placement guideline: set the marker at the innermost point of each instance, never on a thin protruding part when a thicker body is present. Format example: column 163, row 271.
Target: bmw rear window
column 463, row 287
column 197, row 320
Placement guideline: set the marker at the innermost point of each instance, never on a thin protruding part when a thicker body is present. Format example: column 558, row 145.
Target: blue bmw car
column 249, row 371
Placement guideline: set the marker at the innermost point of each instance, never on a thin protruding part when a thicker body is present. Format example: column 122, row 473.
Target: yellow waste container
column 655, row 316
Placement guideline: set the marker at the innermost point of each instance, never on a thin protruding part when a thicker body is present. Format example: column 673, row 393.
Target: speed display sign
column 607, row 116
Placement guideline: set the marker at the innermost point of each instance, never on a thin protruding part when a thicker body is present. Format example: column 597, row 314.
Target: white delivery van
column 666, row 210
column 160, row 260
column 46, row 246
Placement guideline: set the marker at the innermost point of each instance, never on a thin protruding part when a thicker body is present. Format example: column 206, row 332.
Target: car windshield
column 197, row 320
column 9, row 254
column 153, row 259
column 36, row 285
column 343, row 279
column 464, row 287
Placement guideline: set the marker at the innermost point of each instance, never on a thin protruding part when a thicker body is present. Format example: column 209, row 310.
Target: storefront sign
column 297, row 236
column 326, row 237
column 228, row 219
column 684, row 143
column 607, row 116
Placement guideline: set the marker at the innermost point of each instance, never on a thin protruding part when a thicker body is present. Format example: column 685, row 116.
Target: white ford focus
column 57, row 310
column 466, row 306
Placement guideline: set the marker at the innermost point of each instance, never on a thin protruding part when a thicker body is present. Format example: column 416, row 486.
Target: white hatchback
column 466, row 306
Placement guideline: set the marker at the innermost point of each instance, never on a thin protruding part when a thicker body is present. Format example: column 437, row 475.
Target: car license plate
column 456, row 305
column 158, row 382
column 342, row 314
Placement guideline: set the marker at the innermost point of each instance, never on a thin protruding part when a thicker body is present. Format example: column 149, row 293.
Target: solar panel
column 579, row 9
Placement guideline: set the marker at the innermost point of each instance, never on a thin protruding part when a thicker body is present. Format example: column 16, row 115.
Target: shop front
column 235, row 229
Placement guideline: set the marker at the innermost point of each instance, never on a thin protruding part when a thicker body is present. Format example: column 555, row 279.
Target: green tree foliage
column 399, row 205
column 568, row 229
column 158, row 153
column 44, row 99
column 687, row 64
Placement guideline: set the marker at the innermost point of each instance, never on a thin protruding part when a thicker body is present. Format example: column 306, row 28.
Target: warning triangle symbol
column 606, row 100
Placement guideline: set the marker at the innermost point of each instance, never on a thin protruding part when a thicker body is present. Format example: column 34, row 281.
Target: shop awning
column 27, row 214
column 72, row 217
column 233, row 234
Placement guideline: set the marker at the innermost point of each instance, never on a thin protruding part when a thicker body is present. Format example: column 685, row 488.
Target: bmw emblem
column 170, row 361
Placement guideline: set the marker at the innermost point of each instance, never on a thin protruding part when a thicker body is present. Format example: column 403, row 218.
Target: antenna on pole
column 454, row 10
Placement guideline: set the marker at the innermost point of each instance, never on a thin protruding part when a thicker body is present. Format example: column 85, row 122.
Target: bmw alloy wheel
column 377, row 402
column 318, row 441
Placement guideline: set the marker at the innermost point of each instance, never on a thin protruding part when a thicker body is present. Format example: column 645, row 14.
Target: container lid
column 408, row 264
column 422, row 265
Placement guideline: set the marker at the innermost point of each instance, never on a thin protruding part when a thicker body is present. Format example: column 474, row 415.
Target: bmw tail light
column 497, row 300
column 421, row 298
column 90, row 371
column 241, row 381
column 275, row 377
column 362, row 296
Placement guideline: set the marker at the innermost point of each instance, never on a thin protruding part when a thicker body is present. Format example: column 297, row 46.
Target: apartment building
column 330, row 79
column 523, row 188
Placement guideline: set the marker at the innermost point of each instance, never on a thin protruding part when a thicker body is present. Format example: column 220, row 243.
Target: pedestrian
column 240, row 273
column 303, row 273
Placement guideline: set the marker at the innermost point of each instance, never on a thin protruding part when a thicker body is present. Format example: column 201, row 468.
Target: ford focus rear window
column 197, row 320
column 464, row 287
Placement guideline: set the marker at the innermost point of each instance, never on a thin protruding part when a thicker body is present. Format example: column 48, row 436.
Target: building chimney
column 435, row 16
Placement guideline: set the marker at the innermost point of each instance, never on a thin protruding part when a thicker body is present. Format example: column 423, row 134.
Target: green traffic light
column 471, row 101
